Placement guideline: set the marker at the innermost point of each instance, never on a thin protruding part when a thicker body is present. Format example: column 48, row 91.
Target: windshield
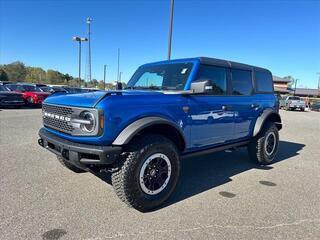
column 161, row 77
column 294, row 98
column 30, row 88
column 3, row 88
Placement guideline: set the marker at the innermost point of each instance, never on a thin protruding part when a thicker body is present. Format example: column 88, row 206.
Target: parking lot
column 220, row 196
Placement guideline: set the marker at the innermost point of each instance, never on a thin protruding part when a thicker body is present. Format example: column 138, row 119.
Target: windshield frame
column 195, row 63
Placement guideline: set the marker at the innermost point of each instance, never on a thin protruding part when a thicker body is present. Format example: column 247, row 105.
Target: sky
column 283, row 36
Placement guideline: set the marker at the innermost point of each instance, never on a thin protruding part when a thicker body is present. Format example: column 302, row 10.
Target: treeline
column 19, row 72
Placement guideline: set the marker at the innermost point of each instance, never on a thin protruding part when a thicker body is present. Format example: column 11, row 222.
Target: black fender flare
column 137, row 126
column 267, row 114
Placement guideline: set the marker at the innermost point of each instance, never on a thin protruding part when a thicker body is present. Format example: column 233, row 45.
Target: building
column 307, row 92
column 281, row 85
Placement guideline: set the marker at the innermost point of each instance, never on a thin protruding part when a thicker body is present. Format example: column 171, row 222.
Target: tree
column 3, row 75
column 35, row 75
column 55, row 77
column 16, row 71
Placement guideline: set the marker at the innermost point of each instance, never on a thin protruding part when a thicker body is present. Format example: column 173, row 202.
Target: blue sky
column 283, row 36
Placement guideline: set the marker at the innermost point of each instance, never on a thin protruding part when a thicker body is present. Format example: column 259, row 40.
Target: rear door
column 245, row 105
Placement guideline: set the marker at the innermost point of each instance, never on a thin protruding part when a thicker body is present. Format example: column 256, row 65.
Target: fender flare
column 132, row 129
column 268, row 113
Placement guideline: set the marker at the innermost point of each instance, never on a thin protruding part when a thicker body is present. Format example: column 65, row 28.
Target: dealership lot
column 220, row 196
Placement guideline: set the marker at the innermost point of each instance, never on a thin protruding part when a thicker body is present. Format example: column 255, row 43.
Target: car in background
column 315, row 107
column 74, row 90
column 282, row 102
column 52, row 90
column 32, row 95
column 294, row 102
column 8, row 98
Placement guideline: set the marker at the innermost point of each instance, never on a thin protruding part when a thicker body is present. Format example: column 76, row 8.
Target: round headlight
column 89, row 117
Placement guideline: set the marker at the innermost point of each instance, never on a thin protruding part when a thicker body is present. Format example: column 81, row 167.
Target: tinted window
column 217, row 76
column 264, row 82
column 294, row 98
column 241, row 82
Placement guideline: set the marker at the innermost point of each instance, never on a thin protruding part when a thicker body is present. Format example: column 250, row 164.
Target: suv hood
column 90, row 99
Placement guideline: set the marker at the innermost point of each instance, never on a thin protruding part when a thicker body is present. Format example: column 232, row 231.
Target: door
column 245, row 106
column 211, row 114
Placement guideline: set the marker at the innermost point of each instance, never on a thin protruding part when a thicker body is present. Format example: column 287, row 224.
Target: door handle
column 255, row 105
column 226, row 107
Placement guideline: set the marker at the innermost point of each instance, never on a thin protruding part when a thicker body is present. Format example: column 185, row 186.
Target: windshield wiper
column 144, row 88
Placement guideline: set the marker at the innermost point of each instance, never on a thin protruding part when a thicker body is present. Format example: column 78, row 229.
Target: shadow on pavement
column 199, row 174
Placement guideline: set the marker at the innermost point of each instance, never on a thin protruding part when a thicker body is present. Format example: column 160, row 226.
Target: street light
column 89, row 21
column 104, row 76
column 79, row 39
column 295, row 87
column 170, row 29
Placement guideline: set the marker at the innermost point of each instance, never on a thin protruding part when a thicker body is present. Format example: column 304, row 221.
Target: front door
column 211, row 114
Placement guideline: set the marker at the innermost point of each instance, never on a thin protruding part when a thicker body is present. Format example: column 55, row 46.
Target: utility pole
column 170, row 29
column 295, row 86
column 104, row 76
column 89, row 21
column 318, row 83
column 118, row 65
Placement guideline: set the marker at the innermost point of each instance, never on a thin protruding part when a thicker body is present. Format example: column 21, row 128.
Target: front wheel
column 149, row 172
column 263, row 148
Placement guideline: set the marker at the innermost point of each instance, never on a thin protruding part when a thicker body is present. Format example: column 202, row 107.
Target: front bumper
column 80, row 155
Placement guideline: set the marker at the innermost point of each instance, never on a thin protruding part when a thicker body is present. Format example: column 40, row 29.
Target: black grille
column 58, row 124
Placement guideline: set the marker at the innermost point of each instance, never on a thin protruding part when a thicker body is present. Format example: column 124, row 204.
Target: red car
column 32, row 95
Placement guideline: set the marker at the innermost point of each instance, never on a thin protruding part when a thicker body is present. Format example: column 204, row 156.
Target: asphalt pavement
column 220, row 196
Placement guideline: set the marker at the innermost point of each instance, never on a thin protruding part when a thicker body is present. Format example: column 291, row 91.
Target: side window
column 264, row 81
column 217, row 76
column 241, row 82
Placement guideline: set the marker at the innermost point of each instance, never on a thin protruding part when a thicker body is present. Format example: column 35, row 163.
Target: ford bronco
column 168, row 110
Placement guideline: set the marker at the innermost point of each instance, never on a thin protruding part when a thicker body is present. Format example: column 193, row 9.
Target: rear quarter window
column 264, row 82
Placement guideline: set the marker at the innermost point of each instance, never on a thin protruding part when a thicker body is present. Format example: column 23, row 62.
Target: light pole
column 79, row 39
column 118, row 64
column 170, row 29
column 295, row 86
column 104, row 76
column 89, row 20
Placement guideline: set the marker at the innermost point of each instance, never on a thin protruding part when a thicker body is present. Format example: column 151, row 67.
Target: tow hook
column 40, row 142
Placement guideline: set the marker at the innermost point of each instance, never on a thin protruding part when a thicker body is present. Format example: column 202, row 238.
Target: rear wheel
column 68, row 165
column 149, row 172
column 263, row 148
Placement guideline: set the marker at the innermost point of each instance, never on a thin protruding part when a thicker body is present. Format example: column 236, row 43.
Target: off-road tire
column 256, row 148
column 69, row 165
column 125, row 180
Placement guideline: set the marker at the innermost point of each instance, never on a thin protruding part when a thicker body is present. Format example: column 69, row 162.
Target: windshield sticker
column 184, row 70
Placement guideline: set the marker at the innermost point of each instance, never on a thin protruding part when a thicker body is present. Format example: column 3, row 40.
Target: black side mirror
column 119, row 86
column 201, row 86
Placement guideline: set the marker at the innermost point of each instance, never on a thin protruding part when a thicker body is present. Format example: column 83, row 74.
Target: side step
column 227, row 148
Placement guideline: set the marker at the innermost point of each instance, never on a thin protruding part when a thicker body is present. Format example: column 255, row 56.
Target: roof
column 212, row 61
column 307, row 92
column 280, row 79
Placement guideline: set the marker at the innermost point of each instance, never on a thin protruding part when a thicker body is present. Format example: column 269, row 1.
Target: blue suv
column 168, row 110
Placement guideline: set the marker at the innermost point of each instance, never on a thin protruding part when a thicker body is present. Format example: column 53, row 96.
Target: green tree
column 3, row 75
column 16, row 71
column 55, row 77
column 36, row 75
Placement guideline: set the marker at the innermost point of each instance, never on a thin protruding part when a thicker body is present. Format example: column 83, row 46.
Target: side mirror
column 119, row 86
column 201, row 86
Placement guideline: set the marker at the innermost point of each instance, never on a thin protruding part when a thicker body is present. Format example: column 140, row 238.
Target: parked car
column 294, row 102
column 140, row 134
column 74, row 90
column 282, row 102
column 32, row 95
column 315, row 107
column 8, row 98
column 51, row 90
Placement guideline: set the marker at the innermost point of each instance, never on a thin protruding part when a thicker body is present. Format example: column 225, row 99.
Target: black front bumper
column 80, row 155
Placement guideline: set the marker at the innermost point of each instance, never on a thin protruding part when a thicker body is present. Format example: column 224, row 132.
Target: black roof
column 231, row 64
